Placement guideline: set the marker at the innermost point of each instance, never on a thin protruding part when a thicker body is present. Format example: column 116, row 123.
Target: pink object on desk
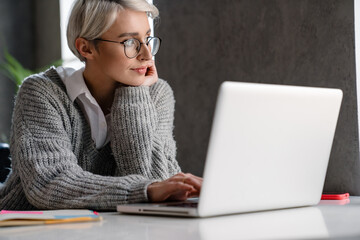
column 21, row 212
column 341, row 196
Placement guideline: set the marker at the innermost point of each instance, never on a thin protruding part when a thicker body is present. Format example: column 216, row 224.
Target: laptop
column 269, row 149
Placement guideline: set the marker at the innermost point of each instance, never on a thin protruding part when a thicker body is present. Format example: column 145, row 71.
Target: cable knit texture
column 55, row 163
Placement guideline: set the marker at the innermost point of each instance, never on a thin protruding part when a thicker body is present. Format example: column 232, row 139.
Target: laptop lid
column 269, row 149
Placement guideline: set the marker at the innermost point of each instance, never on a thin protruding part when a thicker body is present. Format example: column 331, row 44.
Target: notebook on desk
column 269, row 149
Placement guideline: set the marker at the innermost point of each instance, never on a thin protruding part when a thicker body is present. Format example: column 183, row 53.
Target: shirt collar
column 74, row 82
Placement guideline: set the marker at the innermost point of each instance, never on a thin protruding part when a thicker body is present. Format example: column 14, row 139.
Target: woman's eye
column 130, row 42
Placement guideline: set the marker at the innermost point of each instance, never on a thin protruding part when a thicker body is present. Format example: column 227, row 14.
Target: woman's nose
column 145, row 52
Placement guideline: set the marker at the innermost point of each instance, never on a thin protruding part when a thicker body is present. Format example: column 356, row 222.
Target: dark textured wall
column 47, row 32
column 16, row 35
column 296, row 42
column 30, row 30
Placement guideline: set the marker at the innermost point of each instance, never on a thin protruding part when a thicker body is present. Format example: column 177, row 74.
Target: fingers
column 182, row 191
column 179, row 187
column 151, row 69
column 169, row 190
column 151, row 74
column 190, row 179
column 188, row 175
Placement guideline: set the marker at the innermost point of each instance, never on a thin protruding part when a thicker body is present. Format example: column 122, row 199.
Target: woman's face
column 110, row 58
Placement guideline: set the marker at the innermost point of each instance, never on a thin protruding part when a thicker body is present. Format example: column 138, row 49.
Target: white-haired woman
column 102, row 135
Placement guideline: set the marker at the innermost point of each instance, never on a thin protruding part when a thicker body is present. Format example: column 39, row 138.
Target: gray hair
column 89, row 19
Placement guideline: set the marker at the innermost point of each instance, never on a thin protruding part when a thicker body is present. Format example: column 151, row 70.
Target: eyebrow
column 132, row 34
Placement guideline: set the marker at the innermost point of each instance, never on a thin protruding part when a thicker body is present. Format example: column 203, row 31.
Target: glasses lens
column 132, row 47
column 154, row 45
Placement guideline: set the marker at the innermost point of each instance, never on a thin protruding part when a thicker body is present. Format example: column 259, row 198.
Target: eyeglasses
column 132, row 46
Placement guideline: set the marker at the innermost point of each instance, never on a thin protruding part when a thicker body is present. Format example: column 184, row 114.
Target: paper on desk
column 18, row 218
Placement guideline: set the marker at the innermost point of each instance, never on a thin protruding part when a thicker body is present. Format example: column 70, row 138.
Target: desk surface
column 329, row 219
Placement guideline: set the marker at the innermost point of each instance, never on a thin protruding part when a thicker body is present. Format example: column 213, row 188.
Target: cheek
column 117, row 66
column 113, row 60
column 113, row 55
column 111, row 52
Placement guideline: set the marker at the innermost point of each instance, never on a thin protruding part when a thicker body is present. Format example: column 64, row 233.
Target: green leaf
column 56, row 63
column 13, row 69
column 4, row 71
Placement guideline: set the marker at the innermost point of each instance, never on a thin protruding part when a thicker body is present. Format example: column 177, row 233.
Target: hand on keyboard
column 177, row 188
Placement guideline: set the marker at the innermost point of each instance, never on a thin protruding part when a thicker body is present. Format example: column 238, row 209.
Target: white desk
column 327, row 220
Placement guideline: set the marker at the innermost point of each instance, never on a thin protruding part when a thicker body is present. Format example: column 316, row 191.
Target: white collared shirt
column 77, row 90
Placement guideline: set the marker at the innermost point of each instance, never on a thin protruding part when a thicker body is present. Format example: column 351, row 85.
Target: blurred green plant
column 15, row 71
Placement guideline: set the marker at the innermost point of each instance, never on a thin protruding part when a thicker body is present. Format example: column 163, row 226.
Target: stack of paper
column 18, row 218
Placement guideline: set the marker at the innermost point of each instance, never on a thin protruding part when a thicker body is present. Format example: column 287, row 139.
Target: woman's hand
column 177, row 188
column 151, row 75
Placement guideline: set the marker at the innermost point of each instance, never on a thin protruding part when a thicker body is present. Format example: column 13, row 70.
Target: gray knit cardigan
column 55, row 163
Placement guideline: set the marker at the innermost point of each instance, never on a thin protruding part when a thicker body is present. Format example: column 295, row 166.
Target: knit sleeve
column 142, row 131
column 43, row 157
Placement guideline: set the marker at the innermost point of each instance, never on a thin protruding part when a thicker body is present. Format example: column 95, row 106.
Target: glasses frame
column 141, row 43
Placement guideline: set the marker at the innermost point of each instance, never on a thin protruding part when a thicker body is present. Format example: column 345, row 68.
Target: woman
column 102, row 135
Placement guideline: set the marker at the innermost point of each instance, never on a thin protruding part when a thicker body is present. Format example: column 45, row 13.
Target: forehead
column 129, row 21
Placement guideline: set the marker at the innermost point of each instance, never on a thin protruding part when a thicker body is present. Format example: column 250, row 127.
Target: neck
column 101, row 89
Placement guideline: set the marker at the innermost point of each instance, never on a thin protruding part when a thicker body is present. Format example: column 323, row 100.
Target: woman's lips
column 141, row 70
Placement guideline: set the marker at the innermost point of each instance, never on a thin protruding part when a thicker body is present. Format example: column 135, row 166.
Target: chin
column 136, row 82
column 131, row 80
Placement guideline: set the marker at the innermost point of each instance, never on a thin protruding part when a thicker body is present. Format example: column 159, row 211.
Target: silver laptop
column 269, row 149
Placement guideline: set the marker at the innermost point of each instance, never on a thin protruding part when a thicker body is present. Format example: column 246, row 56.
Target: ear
column 85, row 48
